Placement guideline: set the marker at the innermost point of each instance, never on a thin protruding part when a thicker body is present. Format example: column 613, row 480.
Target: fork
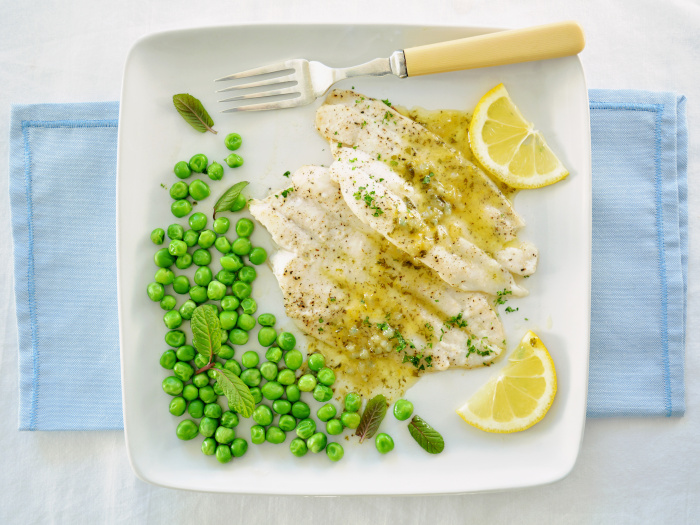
column 313, row 79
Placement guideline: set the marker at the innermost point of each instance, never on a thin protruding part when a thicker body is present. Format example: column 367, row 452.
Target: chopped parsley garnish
column 368, row 197
column 510, row 309
column 286, row 173
column 287, row 191
column 426, row 179
column 500, row 299
column 456, row 321
column 386, row 101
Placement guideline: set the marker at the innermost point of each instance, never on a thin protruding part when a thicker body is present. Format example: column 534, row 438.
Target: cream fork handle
column 496, row 49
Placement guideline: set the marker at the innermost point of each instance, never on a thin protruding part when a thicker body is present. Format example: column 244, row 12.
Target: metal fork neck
column 395, row 64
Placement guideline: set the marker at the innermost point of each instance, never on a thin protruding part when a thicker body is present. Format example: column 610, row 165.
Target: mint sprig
column 236, row 391
column 372, row 417
column 426, row 436
column 226, row 201
column 192, row 110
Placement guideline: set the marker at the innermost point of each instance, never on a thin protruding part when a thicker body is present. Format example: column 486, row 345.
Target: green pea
column 257, row 394
column 190, row 238
column 298, row 447
column 249, row 305
column 200, row 361
column 168, row 359
column 198, row 294
column 206, row 239
column 172, row 319
column 203, row 276
column 326, row 412
column 239, row 202
column 282, row 406
column 286, row 341
column 233, row 366
column 158, row 236
column 241, row 246
column 184, row 261
column 234, row 161
column 176, row 232
column 229, row 419
column 275, row 435
column 213, row 410
column 238, row 336
column 251, row 377
column 350, row 419
column 200, row 380
column 247, row 274
column 226, row 277
column 175, row 338
column 215, row 171
column 257, row 255
column 218, row 390
column 224, row 435
column 293, row 393
column 196, row 408
column 307, row 383
column 179, row 190
column 190, row 392
column 301, row 410
column 262, row 415
column 168, row 302
column 306, row 428
column 244, row 227
column 178, row 405
column 335, row 451
column 272, row 390
column 221, row 225
column 216, row 291
column 245, row 322
column 267, row 336
column 286, row 377
column 257, row 434
column 208, row 446
column 231, row 262
column 181, row 207
column 222, row 245
column 228, row 319
column 198, row 163
column 326, row 376
column 201, row 257
column 334, row 427
column 250, row 359
column 163, row 259
column 182, row 170
column 223, row 454
column 268, row 370
column 198, row 221
column 155, row 291
column 293, row 359
column 384, row 443
column 229, row 303
column 164, row 276
column 187, row 309
column 187, row 429
column 241, row 290
column 239, row 447
column 226, row 351
column 317, row 442
column 273, row 354
column 287, row 423
column 207, row 394
column 233, row 141
column 183, row 370
column 177, row 248
column 181, row 284
column 199, row 190
column 267, row 320
column 316, row 362
column 208, row 426
column 403, row 409
column 322, row 393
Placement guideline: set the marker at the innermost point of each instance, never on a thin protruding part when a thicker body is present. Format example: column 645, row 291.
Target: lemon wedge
column 508, row 146
column 519, row 396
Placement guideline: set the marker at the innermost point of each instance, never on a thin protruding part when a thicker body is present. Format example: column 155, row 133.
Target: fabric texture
column 62, row 190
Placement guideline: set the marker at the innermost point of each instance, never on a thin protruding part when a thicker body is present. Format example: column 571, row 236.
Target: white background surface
column 629, row 470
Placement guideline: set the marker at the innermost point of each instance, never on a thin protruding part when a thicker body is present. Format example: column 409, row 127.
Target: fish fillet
column 348, row 287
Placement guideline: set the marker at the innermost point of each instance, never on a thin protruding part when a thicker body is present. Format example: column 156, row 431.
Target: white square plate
column 153, row 137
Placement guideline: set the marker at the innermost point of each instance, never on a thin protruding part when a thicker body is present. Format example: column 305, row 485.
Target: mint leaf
column 426, row 436
column 228, row 198
column 372, row 417
column 236, row 391
column 206, row 330
column 193, row 112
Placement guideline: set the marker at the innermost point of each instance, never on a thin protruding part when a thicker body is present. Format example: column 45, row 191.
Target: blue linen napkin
column 62, row 189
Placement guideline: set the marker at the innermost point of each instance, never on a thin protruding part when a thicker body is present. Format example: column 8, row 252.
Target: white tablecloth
column 628, row 471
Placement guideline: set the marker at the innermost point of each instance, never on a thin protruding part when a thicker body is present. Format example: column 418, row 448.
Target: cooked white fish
column 347, row 286
column 449, row 191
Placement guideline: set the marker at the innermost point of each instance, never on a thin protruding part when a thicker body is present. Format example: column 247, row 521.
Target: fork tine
column 260, row 83
column 270, row 68
column 281, row 104
column 261, row 94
